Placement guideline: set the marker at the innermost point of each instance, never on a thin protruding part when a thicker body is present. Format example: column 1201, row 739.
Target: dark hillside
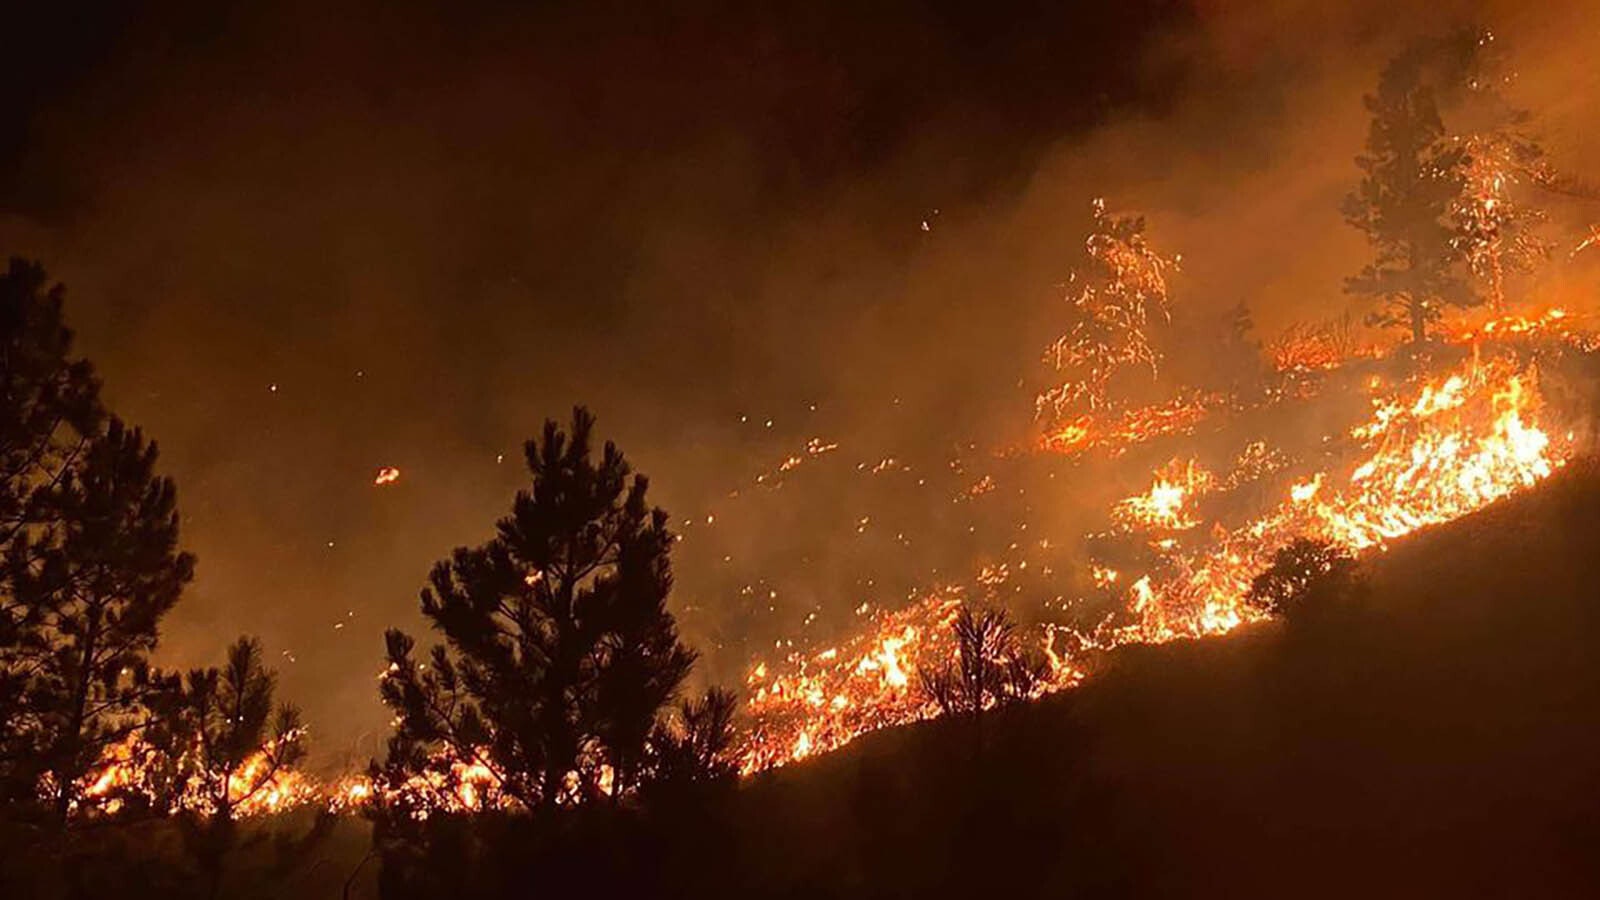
column 1440, row 736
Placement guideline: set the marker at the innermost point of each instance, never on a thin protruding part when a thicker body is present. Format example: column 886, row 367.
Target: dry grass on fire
column 1438, row 736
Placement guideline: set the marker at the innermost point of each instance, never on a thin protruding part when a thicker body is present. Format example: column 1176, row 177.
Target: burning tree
column 1411, row 178
column 561, row 654
column 1117, row 289
column 1496, row 231
column 88, row 538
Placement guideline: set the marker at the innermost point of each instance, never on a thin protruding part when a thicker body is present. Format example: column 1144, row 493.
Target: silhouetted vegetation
column 228, row 743
column 89, row 565
column 91, row 561
column 562, row 654
column 550, row 745
column 1447, row 165
column 1411, row 176
column 694, row 746
column 991, row 665
column 1306, row 572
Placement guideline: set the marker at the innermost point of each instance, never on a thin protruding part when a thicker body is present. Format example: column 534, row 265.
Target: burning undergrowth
column 1357, row 452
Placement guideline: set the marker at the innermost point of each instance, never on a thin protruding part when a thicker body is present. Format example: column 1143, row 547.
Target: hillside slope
column 1440, row 736
column 1437, row 736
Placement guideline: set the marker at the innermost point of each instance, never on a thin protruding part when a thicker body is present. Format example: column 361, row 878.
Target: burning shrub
column 1302, row 572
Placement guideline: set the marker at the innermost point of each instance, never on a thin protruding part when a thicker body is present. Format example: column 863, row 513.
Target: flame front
column 1426, row 453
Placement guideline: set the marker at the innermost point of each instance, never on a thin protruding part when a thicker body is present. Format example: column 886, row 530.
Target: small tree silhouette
column 240, row 742
column 231, row 744
column 693, row 746
column 1304, row 571
column 991, row 667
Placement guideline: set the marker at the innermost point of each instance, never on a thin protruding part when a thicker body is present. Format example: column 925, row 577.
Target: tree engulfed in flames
column 1494, row 232
column 1121, row 291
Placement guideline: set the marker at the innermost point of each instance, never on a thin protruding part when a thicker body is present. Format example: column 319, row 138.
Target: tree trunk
column 67, row 766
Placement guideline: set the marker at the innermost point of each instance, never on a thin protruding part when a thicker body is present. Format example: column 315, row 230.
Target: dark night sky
column 430, row 229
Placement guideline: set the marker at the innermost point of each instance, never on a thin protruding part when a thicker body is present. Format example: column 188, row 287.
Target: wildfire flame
column 132, row 768
column 1162, row 507
column 1427, row 453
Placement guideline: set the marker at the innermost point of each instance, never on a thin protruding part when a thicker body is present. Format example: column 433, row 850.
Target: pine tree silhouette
column 561, row 652
column 49, row 409
column 229, row 743
column 1411, row 177
column 91, row 561
column 238, row 740
column 100, row 593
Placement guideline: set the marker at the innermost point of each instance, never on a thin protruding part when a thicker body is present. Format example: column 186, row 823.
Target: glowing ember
column 1591, row 241
column 386, row 475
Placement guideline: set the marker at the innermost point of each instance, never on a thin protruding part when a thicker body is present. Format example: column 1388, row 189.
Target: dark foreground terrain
column 1438, row 736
